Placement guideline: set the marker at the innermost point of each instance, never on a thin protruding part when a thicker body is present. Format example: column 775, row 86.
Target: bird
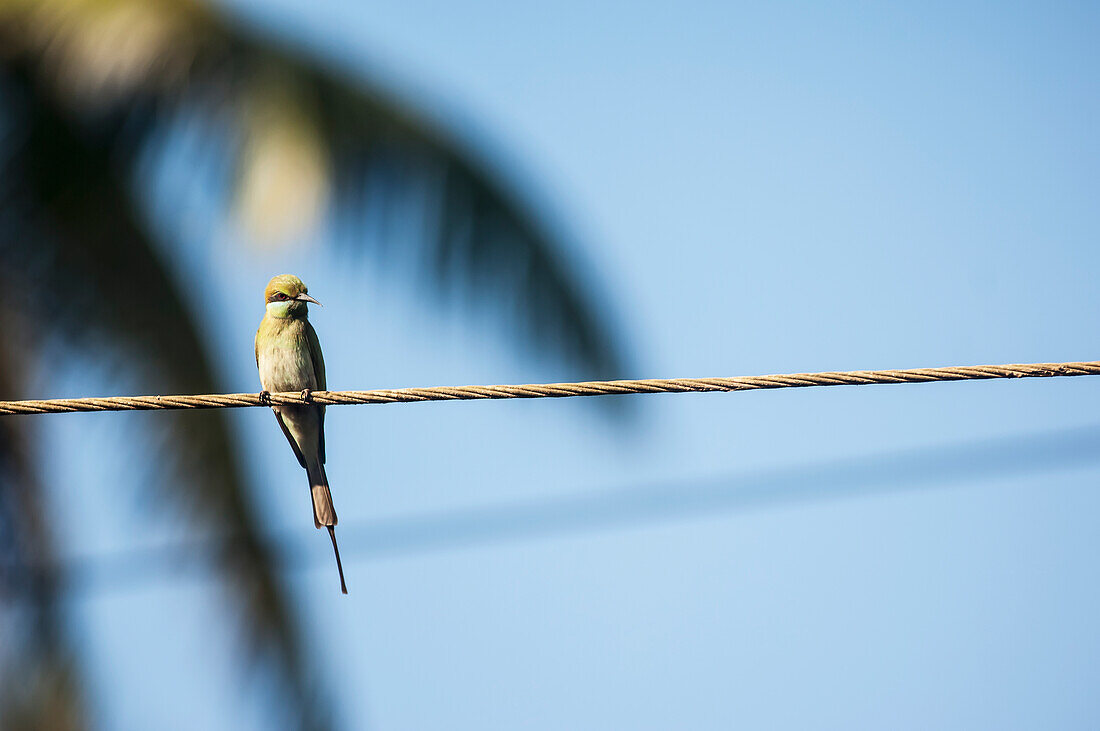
column 288, row 357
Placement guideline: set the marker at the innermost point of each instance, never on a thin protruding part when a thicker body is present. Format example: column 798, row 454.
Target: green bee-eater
column 288, row 356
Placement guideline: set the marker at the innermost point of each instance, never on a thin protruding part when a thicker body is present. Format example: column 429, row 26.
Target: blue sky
column 795, row 187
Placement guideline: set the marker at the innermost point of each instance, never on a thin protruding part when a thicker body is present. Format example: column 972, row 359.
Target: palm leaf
column 40, row 682
column 73, row 243
column 306, row 139
column 96, row 83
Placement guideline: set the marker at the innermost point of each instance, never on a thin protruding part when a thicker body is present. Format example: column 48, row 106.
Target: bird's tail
column 323, row 511
column 324, row 514
column 339, row 566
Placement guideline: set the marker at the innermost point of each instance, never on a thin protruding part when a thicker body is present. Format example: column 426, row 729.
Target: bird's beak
column 306, row 298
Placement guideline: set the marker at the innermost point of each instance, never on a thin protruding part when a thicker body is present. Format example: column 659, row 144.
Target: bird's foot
column 265, row 398
column 307, row 394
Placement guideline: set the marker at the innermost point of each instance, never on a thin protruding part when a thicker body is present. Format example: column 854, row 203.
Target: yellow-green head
column 286, row 296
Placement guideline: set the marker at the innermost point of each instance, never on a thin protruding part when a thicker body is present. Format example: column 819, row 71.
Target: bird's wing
column 290, row 438
column 315, row 355
column 256, row 342
column 319, row 377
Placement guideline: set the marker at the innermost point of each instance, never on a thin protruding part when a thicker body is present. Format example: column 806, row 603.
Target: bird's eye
column 279, row 296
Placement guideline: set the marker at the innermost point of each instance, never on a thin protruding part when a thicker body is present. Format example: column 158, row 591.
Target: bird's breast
column 285, row 365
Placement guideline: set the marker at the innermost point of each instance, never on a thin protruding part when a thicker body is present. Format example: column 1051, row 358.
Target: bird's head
column 286, row 297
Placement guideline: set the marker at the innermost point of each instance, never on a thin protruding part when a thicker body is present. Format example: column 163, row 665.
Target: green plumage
column 288, row 357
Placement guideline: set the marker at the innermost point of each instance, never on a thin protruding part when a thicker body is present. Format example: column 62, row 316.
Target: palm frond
column 483, row 239
column 40, row 682
column 86, row 86
column 308, row 138
column 71, row 237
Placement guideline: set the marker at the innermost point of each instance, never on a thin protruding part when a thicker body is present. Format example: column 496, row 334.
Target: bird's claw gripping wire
column 265, row 396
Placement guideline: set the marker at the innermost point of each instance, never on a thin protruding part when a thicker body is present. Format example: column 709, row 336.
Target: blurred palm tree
column 87, row 88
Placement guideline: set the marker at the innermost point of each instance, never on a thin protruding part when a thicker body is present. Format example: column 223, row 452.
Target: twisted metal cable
column 553, row 390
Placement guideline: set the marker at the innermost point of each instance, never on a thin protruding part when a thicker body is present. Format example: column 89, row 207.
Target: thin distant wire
column 554, row 390
column 1043, row 452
